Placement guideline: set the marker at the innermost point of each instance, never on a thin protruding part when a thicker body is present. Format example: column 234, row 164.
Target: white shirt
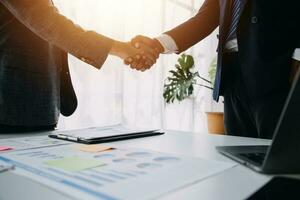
column 170, row 46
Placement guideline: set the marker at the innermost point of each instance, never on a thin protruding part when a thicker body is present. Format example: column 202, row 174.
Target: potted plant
column 180, row 85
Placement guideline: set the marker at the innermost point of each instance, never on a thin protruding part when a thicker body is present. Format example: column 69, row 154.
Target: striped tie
column 235, row 15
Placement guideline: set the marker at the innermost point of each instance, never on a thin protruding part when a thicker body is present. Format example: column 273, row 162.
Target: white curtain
column 118, row 95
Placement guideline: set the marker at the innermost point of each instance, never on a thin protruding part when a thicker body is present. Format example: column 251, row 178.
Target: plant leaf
column 179, row 85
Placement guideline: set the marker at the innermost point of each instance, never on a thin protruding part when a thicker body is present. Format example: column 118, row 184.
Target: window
column 117, row 94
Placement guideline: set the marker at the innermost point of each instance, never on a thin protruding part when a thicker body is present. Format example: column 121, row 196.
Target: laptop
column 283, row 155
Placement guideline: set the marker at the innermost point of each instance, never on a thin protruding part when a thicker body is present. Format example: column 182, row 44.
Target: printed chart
column 114, row 174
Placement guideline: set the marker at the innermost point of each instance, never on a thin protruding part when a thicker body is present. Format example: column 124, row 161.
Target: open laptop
column 283, row 155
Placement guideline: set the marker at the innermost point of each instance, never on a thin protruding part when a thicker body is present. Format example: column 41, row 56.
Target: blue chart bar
column 139, row 172
column 87, row 180
column 29, row 153
column 100, row 178
column 111, row 175
column 57, row 179
column 124, row 173
column 40, row 154
column 80, row 178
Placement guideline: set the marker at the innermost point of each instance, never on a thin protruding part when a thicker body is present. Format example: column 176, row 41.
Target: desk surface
column 236, row 183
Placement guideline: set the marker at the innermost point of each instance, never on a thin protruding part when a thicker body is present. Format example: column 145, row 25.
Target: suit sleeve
column 197, row 28
column 42, row 18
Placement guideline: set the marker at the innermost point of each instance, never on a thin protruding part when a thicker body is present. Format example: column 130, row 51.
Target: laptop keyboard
column 254, row 157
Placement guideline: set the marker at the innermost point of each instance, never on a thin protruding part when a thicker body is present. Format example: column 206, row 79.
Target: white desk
column 236, row 183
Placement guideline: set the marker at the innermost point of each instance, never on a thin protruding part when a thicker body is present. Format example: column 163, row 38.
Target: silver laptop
column 283, row 155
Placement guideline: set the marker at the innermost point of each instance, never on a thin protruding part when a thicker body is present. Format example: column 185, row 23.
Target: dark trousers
column 244, row 115
column 21, row 129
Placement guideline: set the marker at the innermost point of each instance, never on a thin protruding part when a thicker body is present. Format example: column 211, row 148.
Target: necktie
column 235, row 15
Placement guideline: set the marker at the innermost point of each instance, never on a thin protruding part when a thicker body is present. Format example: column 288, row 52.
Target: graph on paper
column 115, row 174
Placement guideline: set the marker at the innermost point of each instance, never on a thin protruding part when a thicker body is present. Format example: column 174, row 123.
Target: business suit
column 35, row 84
column 267, row 37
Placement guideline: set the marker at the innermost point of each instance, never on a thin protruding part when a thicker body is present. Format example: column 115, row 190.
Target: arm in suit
column 185, row 35
column 42, row 18
column 198, row 27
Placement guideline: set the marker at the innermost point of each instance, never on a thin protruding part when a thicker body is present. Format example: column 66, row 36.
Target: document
column 119, row 173
column 29, row 143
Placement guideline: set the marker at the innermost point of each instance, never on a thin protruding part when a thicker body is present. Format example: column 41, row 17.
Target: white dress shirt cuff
column 296, row 55
column 168, row 43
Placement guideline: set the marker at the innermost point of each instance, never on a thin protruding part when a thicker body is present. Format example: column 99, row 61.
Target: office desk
column 235, row 183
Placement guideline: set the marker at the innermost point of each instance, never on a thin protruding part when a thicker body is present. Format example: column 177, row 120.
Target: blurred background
column 116, row 94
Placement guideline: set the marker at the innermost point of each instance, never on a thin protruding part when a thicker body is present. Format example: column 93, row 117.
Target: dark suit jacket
column 268, row 32
column 35, row 84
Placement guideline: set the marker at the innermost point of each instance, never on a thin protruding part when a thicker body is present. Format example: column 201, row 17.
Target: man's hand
column 130, row 54
column 294, row 69
column 149, row 47
column 140, row 40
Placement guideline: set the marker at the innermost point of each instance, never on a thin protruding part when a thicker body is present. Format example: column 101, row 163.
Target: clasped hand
column 141, row 53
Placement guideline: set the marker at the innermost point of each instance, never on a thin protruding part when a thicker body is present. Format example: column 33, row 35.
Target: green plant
column 212, row 70
column 180, row 84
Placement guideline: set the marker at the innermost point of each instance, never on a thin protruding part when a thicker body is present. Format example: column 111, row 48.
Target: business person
column 35, row 84
column 259, row 44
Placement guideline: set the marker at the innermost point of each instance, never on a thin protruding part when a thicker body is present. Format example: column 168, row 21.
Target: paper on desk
column 127, row 173
column 31, row 142
column 74, row 164
column 94, row 148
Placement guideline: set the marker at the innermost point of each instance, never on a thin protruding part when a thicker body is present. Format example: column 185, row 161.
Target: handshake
column 140, row 53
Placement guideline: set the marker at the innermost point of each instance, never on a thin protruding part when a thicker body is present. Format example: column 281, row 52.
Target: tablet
column 103, row 134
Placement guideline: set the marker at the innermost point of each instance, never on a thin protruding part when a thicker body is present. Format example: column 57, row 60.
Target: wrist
column 158, row 46
column 168, row 44
column 115, row 48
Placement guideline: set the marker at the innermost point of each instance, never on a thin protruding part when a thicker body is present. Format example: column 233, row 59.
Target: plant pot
column 215, row 123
